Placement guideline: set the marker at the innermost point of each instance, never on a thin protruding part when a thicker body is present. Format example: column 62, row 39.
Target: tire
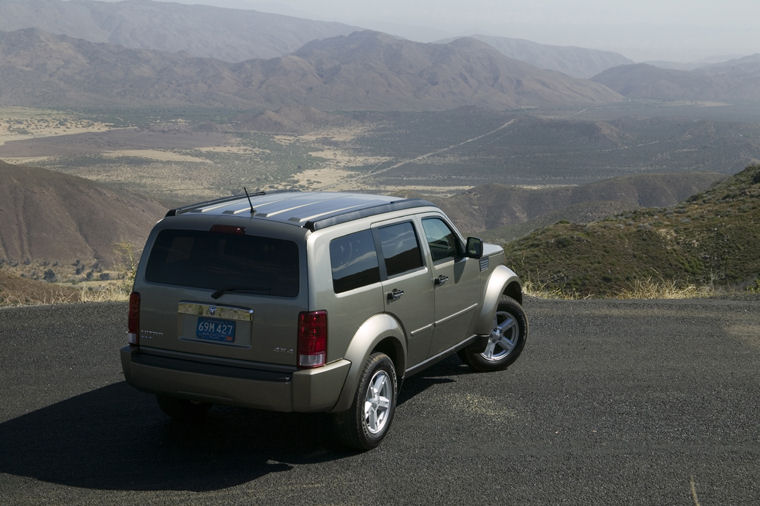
column 183, row 410
column 368, row 420
column 505, row 343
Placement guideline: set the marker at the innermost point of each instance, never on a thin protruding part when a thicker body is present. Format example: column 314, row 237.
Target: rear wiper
column 222, row 291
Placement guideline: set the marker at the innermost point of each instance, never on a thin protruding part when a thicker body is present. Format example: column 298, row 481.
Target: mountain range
column 198, row 30
column 361, row 71
column 235, row 35
column 141, row 53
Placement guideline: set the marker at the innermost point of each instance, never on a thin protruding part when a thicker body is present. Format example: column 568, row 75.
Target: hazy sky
column 682, row 30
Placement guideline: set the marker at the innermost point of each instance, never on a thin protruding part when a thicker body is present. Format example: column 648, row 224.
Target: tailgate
column 245, row 328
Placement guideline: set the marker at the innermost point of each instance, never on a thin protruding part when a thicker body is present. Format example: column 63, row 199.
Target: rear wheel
column 505, row 342
column 182, row 409
column 367, row 422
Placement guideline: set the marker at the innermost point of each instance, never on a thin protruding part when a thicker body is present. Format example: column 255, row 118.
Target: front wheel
column 505, row 342
column 367, row 422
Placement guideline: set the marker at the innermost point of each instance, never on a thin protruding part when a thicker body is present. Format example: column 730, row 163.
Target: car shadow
column 442, row 372
column 116, row 438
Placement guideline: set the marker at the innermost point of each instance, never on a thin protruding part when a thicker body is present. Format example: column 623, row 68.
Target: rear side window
column 400, row 248
column 220, row 261
column 354, row 261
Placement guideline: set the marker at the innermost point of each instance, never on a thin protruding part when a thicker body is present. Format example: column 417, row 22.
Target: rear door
column 408, row 293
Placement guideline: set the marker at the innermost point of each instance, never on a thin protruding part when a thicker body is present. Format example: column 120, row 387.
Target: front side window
column 221, row 261
column 354, row 261
column 442, row 241
column 400, row 248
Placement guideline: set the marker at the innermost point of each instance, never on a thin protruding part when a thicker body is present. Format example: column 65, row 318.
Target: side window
column 442, row 241
column 354, row 261
column 400, row 248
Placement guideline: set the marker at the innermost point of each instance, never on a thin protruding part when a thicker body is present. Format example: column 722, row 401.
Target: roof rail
column 348, row 215
column 198, row 205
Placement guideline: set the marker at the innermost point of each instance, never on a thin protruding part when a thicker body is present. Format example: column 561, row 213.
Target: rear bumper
column 304, row 390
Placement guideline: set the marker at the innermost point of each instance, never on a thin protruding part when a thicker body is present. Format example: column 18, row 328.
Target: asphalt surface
column 611, row 402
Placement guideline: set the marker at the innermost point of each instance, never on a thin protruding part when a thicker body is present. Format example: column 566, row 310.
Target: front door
column 456, row 283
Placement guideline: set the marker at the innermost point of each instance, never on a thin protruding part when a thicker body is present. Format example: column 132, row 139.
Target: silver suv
column 314, row 302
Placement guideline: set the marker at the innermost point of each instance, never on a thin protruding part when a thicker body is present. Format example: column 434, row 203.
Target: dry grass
column 545, row 291
column 651, row 288
column 112, row 292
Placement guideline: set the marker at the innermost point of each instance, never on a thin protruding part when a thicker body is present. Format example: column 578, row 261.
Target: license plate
column 214, row 329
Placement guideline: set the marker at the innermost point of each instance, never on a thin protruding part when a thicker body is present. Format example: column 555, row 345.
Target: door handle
column 395, row 294
column 441, row 279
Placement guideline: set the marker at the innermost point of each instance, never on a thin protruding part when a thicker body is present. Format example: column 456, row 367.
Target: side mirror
column 474, row 248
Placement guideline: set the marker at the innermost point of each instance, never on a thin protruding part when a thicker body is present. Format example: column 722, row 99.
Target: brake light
column 228, row 229
column 312, row 339
column 133, row 325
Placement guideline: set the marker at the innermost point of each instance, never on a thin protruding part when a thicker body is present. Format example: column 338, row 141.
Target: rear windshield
column 220, row 261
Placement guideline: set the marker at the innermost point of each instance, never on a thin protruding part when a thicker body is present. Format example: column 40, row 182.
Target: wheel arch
column 502, row 281
column 381, row 333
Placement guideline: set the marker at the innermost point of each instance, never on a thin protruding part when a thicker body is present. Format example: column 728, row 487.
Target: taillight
column 133, row 326
column 312, row 339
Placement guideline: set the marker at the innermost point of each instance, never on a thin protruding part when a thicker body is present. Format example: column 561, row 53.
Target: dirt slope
column 46, row 215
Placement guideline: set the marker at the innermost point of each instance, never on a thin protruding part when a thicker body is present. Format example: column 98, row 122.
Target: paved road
column 612, row 402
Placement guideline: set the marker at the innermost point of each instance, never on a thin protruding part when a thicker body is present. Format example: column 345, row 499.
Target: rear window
column 220, row 261
column 400, row 248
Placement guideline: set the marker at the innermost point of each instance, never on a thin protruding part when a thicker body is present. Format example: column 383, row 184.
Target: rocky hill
column 361, row 71
column 709, row 240
column 197, row 30
column 50, row 216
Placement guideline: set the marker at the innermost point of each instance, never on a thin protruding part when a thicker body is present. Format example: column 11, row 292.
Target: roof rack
column 312, row 211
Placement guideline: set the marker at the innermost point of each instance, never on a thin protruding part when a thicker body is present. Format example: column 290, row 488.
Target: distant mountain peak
column 574, row 61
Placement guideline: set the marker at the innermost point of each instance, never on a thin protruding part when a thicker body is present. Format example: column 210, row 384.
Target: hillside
column 495, row 205
column 49, row 216
column 731, row 81
column 711, row 240
column 197, row 30
column 362, row 71
column 573, row 61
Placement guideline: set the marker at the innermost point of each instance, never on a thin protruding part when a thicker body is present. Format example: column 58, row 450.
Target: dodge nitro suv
column 306, row 302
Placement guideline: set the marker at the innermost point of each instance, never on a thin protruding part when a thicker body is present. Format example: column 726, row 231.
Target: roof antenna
column 249, row 200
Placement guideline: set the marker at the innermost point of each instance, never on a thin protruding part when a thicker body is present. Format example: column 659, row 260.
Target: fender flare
column 379, row 330
column 501, row 281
